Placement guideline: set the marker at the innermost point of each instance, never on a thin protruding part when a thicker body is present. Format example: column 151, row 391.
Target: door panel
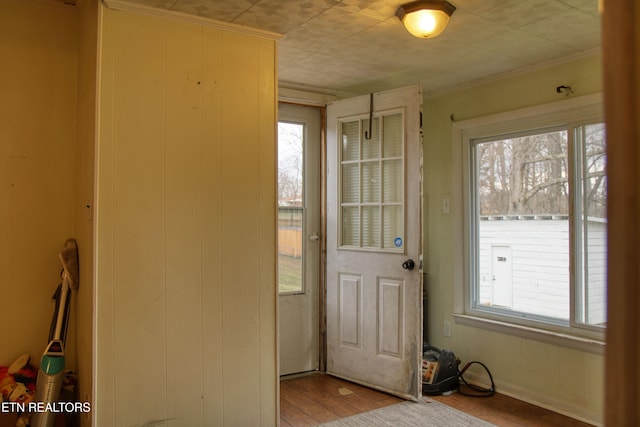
column 374, row 305
column 390, row 314
column 298, row 237
column 350, row 313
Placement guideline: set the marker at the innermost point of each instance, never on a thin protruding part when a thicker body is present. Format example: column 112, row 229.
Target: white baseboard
column 539, row 399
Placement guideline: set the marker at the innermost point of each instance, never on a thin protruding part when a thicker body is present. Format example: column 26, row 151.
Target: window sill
column 589, row 345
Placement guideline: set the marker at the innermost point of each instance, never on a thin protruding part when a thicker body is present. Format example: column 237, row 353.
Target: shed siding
column 540, row 265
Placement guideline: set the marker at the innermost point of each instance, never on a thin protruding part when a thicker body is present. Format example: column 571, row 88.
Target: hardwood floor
column 314, row 399
column 317, row 398
column 505, row 411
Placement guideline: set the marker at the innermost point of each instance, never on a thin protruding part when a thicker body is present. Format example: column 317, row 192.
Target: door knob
column 408, row 264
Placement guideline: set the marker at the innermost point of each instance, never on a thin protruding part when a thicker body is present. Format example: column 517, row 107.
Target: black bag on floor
column 439, row 371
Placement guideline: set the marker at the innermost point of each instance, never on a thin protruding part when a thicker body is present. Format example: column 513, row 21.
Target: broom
column 53, row 361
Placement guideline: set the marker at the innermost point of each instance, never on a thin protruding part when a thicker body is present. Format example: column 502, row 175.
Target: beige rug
column 427, row 412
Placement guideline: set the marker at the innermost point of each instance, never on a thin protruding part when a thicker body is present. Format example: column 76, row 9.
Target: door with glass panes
column 298, row 236
column 374, row 286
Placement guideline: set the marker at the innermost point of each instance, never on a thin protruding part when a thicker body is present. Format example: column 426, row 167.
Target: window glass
column 592, row 290
column 393, row 181
column 371, row 149
column 529, row 191
column 372, row 183
column 393, row 218
column 290, row 207
column 350, row 183
column 350, row 141
column 371, row 179
column 523, row 230
column 392, row 135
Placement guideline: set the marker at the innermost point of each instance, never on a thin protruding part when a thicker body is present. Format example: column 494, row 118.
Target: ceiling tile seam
column 338, row 40
column 355, row 34
column 243, row 12
column 301, row 24
column 539, row 36
column 478, row 44
column 517, row 27
column 573, row 48
column 379, row 21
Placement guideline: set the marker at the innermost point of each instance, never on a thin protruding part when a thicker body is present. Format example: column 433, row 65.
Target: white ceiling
column 359, row 46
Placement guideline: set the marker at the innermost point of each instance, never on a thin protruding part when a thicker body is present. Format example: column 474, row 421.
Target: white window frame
column 578, row 110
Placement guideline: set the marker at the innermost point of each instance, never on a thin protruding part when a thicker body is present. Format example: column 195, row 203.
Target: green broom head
column 69, row 259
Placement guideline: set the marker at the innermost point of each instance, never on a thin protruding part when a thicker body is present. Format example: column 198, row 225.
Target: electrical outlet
column 446, row 330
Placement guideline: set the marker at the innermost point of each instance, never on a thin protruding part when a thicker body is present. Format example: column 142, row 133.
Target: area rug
column 427, row 412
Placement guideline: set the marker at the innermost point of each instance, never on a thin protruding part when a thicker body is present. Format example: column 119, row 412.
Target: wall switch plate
column 445, row 206
column 446, row 330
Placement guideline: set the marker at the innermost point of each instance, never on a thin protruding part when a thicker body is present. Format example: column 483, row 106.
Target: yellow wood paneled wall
column 38, row 72
column 186, row 294
column 84, row 196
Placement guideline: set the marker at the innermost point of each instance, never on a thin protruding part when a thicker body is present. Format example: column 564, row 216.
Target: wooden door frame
column 322, row 294
column 322, row 270
column 621, row 72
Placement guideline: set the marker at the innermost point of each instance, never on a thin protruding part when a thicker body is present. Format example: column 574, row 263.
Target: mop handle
column 64, row 293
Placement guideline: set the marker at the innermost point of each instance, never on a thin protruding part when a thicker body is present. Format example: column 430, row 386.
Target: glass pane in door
column 290, row 207
column 372, row 183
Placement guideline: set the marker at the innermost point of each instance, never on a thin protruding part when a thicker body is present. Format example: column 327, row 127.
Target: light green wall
column 563, row 379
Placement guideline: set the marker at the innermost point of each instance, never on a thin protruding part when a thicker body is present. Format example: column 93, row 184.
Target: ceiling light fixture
column 425, row 19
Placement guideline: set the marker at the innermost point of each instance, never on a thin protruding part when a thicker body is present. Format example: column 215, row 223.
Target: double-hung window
column 535, row 197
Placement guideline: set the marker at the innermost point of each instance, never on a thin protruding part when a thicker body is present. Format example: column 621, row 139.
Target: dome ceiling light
column 425, row 19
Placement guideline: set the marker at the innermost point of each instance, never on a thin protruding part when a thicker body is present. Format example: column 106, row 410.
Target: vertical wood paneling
column 84, row 190
column 211, row 228
column 183, row 223
column 104, row 218
column 192, row 131
column 240, row 233
column 139, row 224
column 267, row 257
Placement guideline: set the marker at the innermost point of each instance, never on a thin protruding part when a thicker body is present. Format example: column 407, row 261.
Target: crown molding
column 126, row 6
column 514, row 73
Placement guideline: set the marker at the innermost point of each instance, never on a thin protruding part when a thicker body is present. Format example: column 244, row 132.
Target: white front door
column 298, row 236
column 501, row 276
column 374, row 297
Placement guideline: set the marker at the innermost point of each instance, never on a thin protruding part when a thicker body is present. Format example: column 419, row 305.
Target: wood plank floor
column 314, row 399
column 317, row 398
column 505, row 411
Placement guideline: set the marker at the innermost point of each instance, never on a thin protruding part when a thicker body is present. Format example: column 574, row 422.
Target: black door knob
column 408, row 264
